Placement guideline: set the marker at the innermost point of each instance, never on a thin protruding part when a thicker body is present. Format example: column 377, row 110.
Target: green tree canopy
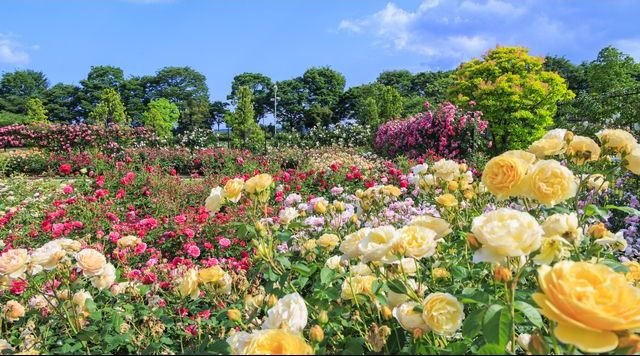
column 98, row 79
column 517, row 96
column 35, row 110
column 17, row 87
column 109, row 110
column 162, row 116
column 261, row 87
column 62, row 101
column 245, row 132
column 401, row 80
column 357, row 103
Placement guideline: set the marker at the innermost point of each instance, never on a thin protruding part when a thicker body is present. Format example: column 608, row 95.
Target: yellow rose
column 447, row 200
column 269, row 342
column 355, row 285
column 211, row 275
column 214, row 200
column 583, row 149
column 617, row 140
column 13, row 263
column 378, row 244
column 564, row 225
column 441, row 227
column 597, row 182
column 128, row 241
column 545, row 147
column 91, row 262
column 633, row 160
column 633, row 275
column 391, row 190
column 504, row 175
column 188, row 284
column 80, row 300
column 233, row 189
column 46, row 256
column 443, row 313
column 505, row 233
column 408, row 318
column 446, row 169
column 259, row 183
column 13, row 311
column 418, row 241
column 320, row 207
column 590, row 303
column 551, row 183
column 349, row 245
column 106, row 278
column 328, row 241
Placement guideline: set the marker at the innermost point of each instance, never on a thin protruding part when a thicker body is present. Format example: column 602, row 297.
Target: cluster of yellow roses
column 215, row 277
column 257, row 187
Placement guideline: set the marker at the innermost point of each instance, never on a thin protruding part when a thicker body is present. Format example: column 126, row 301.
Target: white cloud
column 349, row 26
column 493, row 7
column 12, row 52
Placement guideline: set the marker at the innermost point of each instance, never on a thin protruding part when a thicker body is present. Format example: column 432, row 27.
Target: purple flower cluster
column 446, row 132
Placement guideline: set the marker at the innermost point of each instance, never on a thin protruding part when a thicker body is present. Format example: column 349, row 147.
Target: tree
column 62, row 101
column 186, row 88
column 370, row 113
column 36, row 110
column 217, row 112
column 245, row 132
column 389, row 104
column 162, row 116
column 517, row 96
column 109, row 110
column 431, row 86
column 323, row 86
column 318, row 115
column 98, row 80
column 357, row 104
column 261, row 87
column 19, row 86
column 135, row 95
column 574, row 75
column 401, row 80
column 291, row 103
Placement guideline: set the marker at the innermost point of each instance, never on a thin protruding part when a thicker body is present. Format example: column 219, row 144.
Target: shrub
column 446, row 132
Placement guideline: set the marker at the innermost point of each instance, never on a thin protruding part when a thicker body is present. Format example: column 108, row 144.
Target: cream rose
column 287, row 215
column 328, row 241
column 355, row 285
column 590, row 303
column 443, row 313
column 47, row 256
column 378, row 244
column 550, row 183
column 233, row 189
column 504, row 175
column 13, row 311
column 214, row 200
column 617, row 140
column 188, row 284
column 408, row 318
column 505, row 233
column 290, row 313
column 546, row 147
column 91, row 262
column 418, row 241
column 128, row 241
column 583, row 149
column 13, row 263
column 440, row 226
column 269, row 342
column 446, row 169
column 564, row 225
column 633, row 160
column 106, row 279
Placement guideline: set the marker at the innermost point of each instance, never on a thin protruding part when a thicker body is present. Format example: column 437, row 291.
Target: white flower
column 420, row 169
column 557, row 134
column 287, row 215
column 409, row 318
column 46, row 256
column 378, row 243
column 614, row 241
column 290, row 312
column 214, row 200
column 446, row 169
column 564, row 225
column 106, row 279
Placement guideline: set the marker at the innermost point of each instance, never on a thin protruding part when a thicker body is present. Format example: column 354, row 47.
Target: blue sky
column 281, row 38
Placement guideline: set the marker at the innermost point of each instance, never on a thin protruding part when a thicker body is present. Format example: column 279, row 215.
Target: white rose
column 441, row 227
column 287, row 215
column 505, row 233
column 377, row 244
column 349, row 245
column 13, row 263
column 418, row 241
column 408, row 318
column 334, row 263
column 564, row 225
column 420, row 169
column 214, row 200
column 106, row 279
column 290, row 312
column 446, row 169
column 47, row 256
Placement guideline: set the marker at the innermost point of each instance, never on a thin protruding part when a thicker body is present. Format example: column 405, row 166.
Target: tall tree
column 36, row 110
column 98, row 79
column 62, row 101
column 217, row 112
column 291, row 103
column 516, row 95
column 261, row 88
column 186, row 88
column 575, row 76
column 109, row 110
column 323, row 86
column 135, row 95
column 245, row 132
column 401, row 80
column 356, row 104
column 431, row 86
column 19, row 86
column 162, row 116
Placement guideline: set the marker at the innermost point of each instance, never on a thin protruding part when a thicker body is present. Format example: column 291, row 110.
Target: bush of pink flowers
column 445, row 131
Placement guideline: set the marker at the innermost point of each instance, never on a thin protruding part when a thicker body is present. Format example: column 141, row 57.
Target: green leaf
column 530, row 312
column 615, row 265
column 302, row 269
column 397, row 286
column 625, row 209
column 472, row 325
column 497, row 325
column 459, row 272
column 326, row 275
column 592, row 210
column 491, row 349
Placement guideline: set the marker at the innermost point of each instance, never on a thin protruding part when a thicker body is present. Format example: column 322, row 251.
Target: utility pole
column 275, row 109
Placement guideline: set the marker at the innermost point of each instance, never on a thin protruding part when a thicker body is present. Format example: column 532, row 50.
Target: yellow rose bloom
column 617, row 140
column 633, row 160
column 233, row 189
column 447, row 200
column 441, row 227
column 269, row 342
column 328, row 241
column 590, row 303
column 443, row 313
column 91, row 262
column 545, row 147
column 504, row 175
column 418, row 241
column 550, row 183
column 583, row 149
column 355, row 285
column 211, row 275
column 188, row 284
column 633, row 275
column 13, row 263
column 258, row 184
column 13, row 311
